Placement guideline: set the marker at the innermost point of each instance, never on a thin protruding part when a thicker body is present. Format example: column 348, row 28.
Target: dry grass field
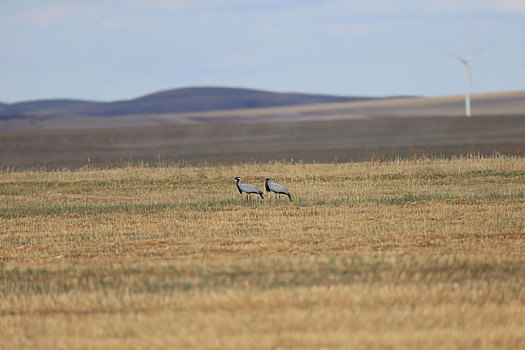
column 403, row 254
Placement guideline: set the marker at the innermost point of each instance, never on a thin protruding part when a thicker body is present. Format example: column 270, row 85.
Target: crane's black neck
column 266, row 186
column 238, row 187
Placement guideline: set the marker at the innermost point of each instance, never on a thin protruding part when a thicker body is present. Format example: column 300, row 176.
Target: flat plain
column 423, row 253
column 230, row 143
column 329, row 132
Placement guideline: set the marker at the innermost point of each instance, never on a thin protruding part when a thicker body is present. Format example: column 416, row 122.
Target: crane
column 248, row 189
column 276, row 188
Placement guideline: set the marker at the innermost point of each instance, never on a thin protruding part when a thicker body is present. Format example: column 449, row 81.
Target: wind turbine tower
column 468, row 79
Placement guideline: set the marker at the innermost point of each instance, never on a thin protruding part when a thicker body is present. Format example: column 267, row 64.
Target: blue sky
column 116, row 49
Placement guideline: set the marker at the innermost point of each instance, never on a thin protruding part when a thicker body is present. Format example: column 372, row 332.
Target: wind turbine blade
column 457, row 57
column 475, row 54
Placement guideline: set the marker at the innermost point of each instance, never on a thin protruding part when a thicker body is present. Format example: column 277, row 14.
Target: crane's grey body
column 276, row 188
column 248, row 189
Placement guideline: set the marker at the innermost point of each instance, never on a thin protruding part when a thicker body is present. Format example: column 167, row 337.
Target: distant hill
column 209, row 99
column 134, row 112
column 197, row 99
column 39, row 107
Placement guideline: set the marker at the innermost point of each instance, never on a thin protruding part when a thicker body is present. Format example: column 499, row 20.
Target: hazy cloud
column 429, row 7
column 96, row 13
column 359, row 28
column 174, row 5
column 10, row 47
column 476, row 6
column 52, row 13
column 235, row 60
column 163, row 4
column 509, row 6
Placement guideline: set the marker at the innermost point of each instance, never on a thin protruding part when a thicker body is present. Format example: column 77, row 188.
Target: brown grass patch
column 404, row 254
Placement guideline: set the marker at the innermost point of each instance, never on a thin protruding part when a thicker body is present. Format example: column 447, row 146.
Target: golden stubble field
column 404, row 254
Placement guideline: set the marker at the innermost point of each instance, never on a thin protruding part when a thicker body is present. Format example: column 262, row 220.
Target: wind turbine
column 468, row 78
